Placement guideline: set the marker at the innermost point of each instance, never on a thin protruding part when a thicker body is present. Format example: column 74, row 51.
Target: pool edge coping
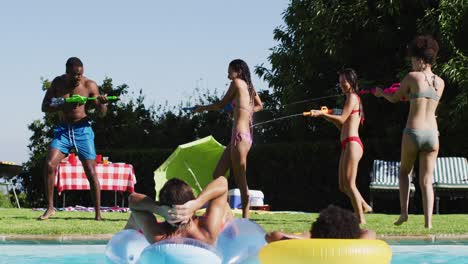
column 58, row 238
column 106, row 237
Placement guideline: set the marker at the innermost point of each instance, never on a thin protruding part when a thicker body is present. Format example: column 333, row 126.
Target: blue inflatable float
column 239, row 242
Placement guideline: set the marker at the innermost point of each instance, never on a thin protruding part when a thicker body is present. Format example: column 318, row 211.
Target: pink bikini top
column 247, row 110
column 240, row 107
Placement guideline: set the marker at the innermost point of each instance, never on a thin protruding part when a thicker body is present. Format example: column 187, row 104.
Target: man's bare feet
column 48, row 213
column 401, row 220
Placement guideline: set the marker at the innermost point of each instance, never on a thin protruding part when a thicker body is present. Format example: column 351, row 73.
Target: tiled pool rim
column 105, row 237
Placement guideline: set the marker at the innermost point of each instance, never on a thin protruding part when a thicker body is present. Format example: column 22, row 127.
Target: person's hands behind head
column 164, row 211
column 183, row 213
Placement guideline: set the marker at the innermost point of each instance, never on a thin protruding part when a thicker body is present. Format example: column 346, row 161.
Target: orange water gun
column 325, row 110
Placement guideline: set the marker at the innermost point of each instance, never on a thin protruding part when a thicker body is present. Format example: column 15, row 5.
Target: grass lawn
column 23, row 221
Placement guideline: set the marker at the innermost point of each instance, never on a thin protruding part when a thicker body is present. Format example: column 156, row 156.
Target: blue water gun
column 226, row 109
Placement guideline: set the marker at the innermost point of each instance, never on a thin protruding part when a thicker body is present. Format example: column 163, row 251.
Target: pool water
column 430, row 254
column 421, row 253
column 52, row 254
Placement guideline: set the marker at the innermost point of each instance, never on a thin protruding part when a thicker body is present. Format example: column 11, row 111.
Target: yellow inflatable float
column 326, row 251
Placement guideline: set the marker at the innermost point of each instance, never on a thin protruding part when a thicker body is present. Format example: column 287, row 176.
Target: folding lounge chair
column 7, row 172
column 450, row 179
column 385, row 180
column 9, row 185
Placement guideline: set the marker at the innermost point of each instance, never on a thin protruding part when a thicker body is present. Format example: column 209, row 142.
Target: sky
column 166, row 48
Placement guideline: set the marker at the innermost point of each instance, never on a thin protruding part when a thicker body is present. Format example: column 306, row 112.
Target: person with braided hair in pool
column 333, row 222
column 177, row 204
column 245, row 101
column 352, row 148
column 421, row 136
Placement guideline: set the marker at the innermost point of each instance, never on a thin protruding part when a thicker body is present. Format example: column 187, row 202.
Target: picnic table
column 117, row 177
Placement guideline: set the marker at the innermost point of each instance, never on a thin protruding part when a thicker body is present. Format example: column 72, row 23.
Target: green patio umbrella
column 193, row 162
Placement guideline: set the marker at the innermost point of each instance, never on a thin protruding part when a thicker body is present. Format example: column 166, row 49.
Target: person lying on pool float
column 333, row 222
column 177, row 204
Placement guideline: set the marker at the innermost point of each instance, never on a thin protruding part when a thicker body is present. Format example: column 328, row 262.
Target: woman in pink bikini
column 245, row 101
column 352, row 149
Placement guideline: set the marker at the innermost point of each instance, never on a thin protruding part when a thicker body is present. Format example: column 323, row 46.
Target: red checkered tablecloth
column 114, row 176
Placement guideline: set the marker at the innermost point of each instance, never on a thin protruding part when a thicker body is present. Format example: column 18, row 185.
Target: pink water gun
column 389, row 90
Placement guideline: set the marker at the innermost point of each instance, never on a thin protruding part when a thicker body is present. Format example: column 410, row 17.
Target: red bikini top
column 360, row 111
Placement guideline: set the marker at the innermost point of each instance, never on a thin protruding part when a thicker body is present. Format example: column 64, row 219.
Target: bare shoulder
column 413, row 76
column 411, row 80
column 58, row 80
column 368, row 234
column 353, row 98
column 440, row 83
column 239, row 83
column 90, row 83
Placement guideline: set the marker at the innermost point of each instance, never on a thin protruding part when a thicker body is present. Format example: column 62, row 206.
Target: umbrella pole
column 193, row 175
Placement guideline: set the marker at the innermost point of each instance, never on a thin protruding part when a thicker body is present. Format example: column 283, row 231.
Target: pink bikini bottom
column 238, row 136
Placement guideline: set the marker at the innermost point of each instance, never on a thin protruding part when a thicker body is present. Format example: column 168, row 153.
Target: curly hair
column 242, row 68
column 335, row 222
column 425, row 48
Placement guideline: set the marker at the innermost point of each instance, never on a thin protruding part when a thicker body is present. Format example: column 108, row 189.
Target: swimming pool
column 410, row 252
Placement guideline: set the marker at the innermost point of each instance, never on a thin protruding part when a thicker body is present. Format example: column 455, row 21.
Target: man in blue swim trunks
column 74, row 130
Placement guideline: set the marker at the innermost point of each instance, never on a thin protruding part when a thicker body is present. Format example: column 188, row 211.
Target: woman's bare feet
column 367, row 209
column 48, row 213
column 401, row 220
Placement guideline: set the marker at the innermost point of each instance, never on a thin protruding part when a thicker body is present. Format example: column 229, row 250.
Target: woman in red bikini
column 245, row 101
column 352, row 149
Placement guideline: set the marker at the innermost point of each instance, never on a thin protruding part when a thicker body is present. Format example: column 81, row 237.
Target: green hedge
column 292, row 175
column 296, row 176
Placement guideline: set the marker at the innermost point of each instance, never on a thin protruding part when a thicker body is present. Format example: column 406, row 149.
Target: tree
column 320, row 37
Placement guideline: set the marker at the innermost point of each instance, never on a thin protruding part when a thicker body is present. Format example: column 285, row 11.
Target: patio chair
column 385, row 180
column 450, row 179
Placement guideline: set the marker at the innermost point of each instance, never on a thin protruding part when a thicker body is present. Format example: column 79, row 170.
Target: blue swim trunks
column 79, row 136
